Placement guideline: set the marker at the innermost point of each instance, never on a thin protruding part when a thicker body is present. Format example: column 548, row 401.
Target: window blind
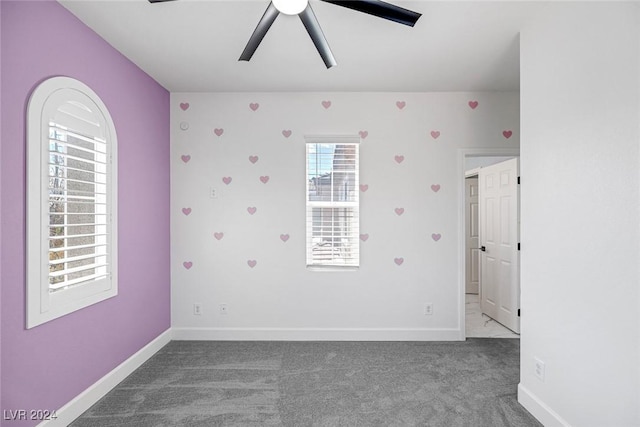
column 79, row 207
column 332, row 212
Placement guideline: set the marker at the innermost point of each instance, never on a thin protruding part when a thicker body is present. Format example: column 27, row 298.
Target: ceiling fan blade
column 381, row 9
column 315, row 32
column 158, row 1
column 265, row 23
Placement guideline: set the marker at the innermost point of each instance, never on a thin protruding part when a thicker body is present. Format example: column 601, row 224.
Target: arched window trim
column 46, row 300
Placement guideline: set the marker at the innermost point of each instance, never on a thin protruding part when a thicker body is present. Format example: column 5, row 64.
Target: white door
column 472, row 251
column 499, row 235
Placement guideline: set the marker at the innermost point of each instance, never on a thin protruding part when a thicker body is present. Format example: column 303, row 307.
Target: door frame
column 463, row 153
column 468, row 220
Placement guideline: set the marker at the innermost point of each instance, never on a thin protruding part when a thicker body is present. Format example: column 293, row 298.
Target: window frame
column 355, row 205
column 43, row 305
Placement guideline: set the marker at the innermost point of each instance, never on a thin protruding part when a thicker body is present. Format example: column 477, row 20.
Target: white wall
column 1, row 287
column 279, row 298
column 580, row 218
column 483, row 161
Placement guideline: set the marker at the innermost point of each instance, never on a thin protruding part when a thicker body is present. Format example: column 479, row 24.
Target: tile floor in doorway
column 479, row 325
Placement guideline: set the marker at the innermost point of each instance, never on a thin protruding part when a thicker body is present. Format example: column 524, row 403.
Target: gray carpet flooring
column 196, row 383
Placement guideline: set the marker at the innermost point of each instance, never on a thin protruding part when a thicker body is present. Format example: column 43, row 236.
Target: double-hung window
column 332, row 214
column 71, row 201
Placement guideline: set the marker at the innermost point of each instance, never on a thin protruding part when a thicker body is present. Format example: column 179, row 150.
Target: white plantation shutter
column 79, row 220
column 71, row 200
column 332, row 199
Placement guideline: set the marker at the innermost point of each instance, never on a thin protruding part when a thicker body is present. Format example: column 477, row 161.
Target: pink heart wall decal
column 363, row 134
column 507, row 134
column 364, row 187
column 218, row 131
column 252, row 210
column 401, row 104
column 398, row 261
column 435, row 134
column 286, row 133
column 218, row 235
column 185, row 158
column 227, row 180
column 264, row 179
column 284, row 237
column 187, row 264
column 364, row 237
column 253, row 159
column 435, row 188
column 436, row 236
column 399, row 159
column 326, row 104
column 399, row 211
column 254, row 106
column 184, row 106
column 252, row 263
column 186, row 211
column 473, row 104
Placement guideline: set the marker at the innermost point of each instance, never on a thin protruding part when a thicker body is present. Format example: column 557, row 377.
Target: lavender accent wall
column 0, row 199
column 45, row 367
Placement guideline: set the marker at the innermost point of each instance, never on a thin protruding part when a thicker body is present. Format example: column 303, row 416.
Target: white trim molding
column 547, row 416
column 85, row 400
column 315, row 334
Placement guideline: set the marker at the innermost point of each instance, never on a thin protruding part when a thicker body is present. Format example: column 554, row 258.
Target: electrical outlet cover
column 428, row 309
column 538, row 368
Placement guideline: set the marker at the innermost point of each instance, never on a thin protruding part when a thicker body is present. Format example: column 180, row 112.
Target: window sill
column 333, row 268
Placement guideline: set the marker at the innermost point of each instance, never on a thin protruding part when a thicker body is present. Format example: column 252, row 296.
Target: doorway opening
column 474, row 320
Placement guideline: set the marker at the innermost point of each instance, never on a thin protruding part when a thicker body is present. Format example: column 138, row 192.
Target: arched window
column 71, row 200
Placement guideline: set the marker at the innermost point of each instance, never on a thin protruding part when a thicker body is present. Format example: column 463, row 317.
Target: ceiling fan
column 303, row 9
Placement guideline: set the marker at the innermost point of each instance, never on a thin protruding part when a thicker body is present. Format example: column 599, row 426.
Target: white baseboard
column 72, row 410
column 547, row 416
column 315, row 334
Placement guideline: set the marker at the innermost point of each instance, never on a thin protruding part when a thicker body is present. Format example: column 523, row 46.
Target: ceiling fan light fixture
column 290, row 7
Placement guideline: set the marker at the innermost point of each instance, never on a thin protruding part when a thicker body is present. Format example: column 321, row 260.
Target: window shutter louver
column 78, row 201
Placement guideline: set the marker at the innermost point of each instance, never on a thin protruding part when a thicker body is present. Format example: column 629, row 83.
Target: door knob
column 483, row 248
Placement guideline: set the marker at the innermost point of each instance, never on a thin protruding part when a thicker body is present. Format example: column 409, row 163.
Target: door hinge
column 518, row 312
column 518, row 245
column 518, row 180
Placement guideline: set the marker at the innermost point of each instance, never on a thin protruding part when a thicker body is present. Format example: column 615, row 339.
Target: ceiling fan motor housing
column 290, row 7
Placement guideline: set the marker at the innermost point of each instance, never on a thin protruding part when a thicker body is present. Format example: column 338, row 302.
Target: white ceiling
column 194, row 45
